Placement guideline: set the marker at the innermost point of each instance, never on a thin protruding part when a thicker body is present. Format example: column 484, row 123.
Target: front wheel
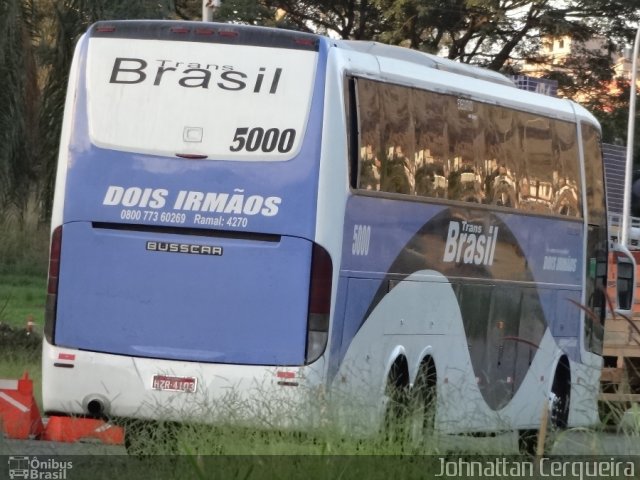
column 558, row 410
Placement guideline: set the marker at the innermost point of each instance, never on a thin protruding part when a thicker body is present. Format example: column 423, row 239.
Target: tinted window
column 596, row 240
column 428, row 144
column 229, row 102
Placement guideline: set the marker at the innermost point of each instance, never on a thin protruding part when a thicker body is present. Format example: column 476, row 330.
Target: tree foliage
column 491, row 33
column 19, row 103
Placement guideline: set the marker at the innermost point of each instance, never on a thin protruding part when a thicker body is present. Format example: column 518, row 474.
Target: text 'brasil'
column 469, row 244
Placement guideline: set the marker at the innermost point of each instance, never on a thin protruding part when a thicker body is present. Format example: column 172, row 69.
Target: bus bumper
column 79, row 382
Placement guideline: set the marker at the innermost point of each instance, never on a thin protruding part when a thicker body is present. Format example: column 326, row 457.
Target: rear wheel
column 561, row 395
column 559, row 402
column 422, row 404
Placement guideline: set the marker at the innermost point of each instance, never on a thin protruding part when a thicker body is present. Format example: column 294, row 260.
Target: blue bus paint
column 92, row 170
column 420, row 239
column 117, row 297
column 133, row 299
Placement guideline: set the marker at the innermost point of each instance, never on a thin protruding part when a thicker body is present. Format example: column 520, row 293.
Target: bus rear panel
column 183, row 236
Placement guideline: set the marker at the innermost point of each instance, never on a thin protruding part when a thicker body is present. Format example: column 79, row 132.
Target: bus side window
column 398, row 175
column 352, row 121
column 365, row 128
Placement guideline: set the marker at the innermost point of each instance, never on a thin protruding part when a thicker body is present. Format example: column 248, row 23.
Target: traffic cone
column 19, row 413
column 73, row 429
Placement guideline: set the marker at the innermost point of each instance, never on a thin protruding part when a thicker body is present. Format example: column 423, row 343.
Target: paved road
column 574, row 442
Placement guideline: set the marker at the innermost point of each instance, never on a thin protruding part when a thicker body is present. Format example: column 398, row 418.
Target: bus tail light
column 319, row 304
column 52, row 284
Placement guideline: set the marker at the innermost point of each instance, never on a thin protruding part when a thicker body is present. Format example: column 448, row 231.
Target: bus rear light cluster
column 204, row 31
column 307, row 42
column 319, row 304
column 52, row 284
column 54, row 261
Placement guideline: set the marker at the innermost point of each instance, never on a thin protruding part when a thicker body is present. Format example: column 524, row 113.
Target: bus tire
column 422, row 403
column 559, row 402
column 396, row 391
column 560, row 395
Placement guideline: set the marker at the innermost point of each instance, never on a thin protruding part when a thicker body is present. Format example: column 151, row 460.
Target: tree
column 349, row 19
column 66, row 21
column 19, row 103
column 491, row 33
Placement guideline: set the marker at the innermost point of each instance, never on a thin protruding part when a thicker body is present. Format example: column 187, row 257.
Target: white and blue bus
column 244, row 213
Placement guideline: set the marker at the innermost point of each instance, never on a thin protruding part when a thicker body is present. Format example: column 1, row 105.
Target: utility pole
column 626, row 205
column 208, row 7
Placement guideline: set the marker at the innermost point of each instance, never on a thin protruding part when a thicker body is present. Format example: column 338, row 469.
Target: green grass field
column 22, row 297
column 24, row 249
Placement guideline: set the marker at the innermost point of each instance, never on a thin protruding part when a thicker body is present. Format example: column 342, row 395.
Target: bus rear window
column 197, row 100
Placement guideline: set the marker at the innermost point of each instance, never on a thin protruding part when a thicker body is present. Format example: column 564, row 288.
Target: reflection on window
column 594, row 175
column 427, row 144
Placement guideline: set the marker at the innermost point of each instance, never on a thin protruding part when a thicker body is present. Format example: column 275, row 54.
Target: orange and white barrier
column 20, row 419
column 19, row 414
column 73, row 429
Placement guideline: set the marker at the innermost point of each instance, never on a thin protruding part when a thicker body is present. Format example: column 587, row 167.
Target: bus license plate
column 174, row 384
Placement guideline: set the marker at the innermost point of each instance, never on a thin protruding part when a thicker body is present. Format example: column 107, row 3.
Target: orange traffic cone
column 19, row 413
column 73, row 429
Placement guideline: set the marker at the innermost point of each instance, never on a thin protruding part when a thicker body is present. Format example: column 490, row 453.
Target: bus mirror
column 625, row 280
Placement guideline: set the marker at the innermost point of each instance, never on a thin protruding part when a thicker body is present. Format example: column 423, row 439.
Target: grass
column 21, row 352
column 24, row 250
column 22, row 297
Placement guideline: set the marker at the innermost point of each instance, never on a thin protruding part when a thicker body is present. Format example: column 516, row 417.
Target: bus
column 360, row 231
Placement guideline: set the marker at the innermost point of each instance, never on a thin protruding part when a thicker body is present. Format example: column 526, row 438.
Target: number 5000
column 254, row 139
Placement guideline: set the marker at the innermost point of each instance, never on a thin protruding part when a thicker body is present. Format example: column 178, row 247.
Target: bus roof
column 426, row 59
column 204, row 32
column 424, row 70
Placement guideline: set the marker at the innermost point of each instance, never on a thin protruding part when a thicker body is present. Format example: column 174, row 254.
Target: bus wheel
column 422, row 404
column 559, row 401
column 396, row 391
column 560, row 395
